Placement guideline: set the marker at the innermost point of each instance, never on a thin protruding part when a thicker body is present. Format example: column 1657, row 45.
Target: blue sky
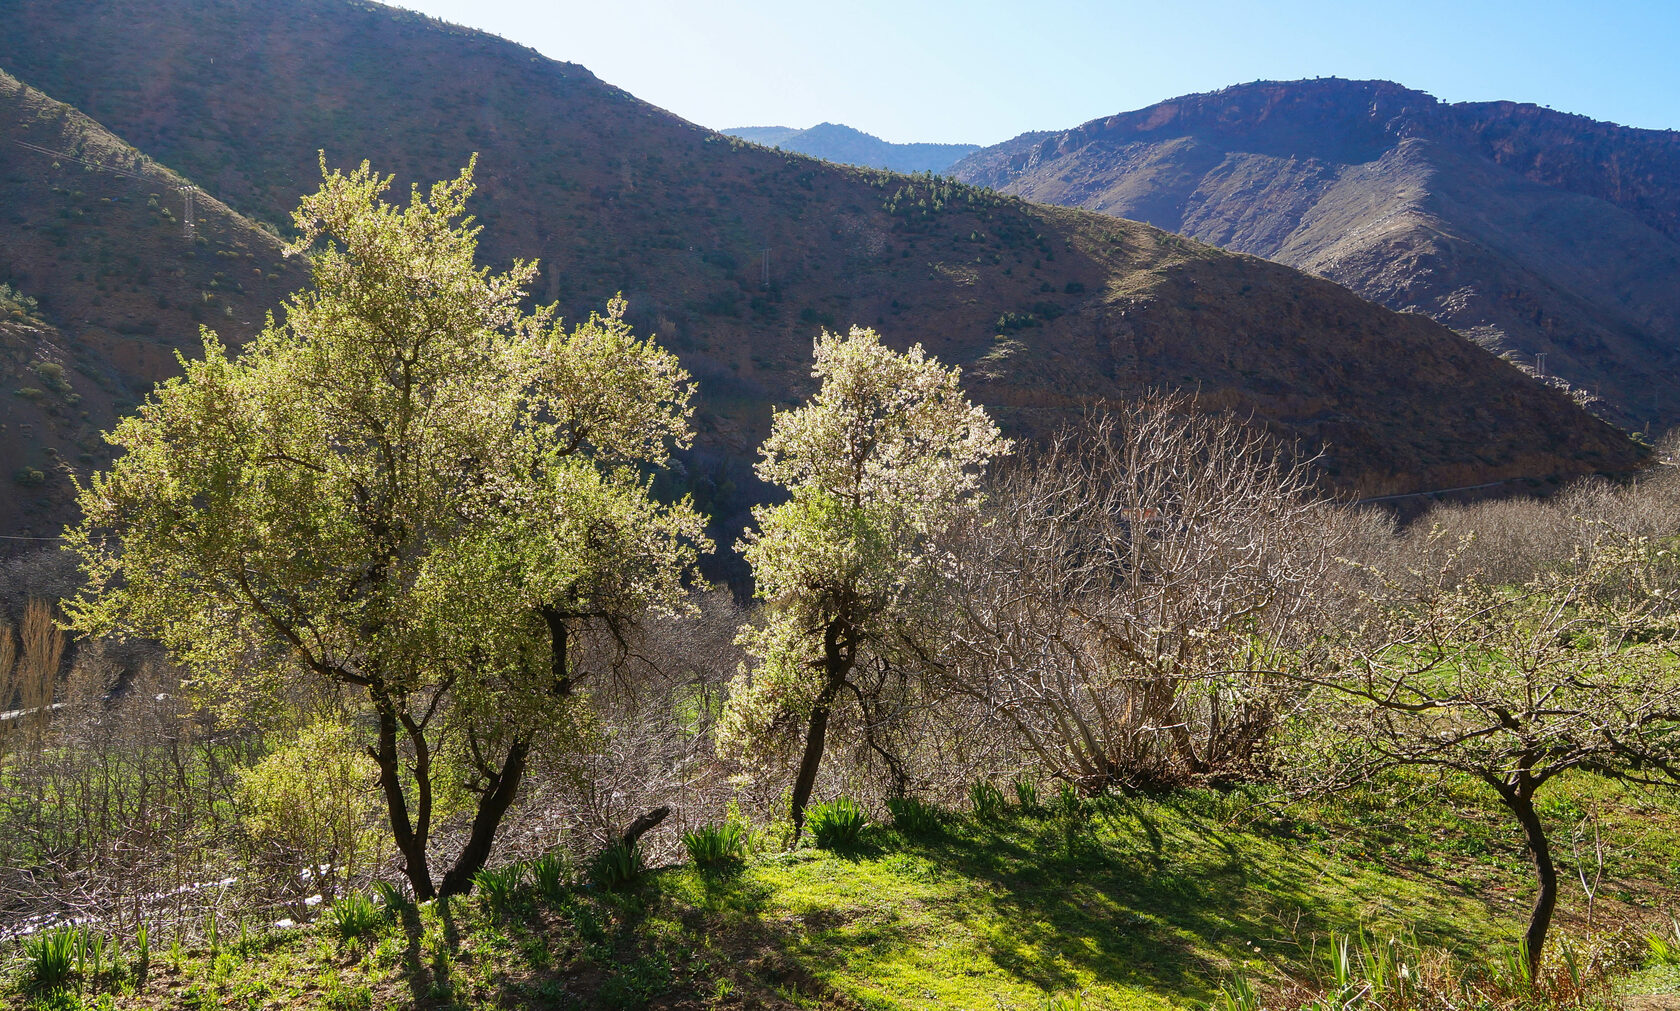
column 982, row 71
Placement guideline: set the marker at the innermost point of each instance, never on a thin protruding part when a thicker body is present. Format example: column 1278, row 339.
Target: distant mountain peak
column 847, row 145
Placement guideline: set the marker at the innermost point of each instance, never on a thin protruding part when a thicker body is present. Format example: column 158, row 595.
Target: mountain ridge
column 735, row 255
column 847, row 145
column 1531, row 231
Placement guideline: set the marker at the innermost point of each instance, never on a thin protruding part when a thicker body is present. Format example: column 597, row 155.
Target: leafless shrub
column 1125, row 601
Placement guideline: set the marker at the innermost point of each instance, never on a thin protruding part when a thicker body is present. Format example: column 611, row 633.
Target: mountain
column 1529, row 231
column 846, row 146
column 734, row 254
column 109, row 284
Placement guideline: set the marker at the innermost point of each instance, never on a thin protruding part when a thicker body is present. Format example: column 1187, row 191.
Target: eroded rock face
column 1533, row 232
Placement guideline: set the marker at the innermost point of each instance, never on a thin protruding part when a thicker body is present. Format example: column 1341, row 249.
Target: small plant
column 498, row 884
column 392, row 897
column 549, row 873
column 353, row 916
column 1072, row 816
column 50, row 957
column 1664, row 948
column 1026, row 794
column 1066, row 1002
column 986, row 800
column 142, row 952
column 838, row 824
column 914, row 816
column 616, row 866
column 717, row 847
column 1237, row 995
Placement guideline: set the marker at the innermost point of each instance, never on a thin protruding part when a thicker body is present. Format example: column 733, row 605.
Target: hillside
column 1530, row 231
column 847, row 146
column 735, row 255
column 111, row 283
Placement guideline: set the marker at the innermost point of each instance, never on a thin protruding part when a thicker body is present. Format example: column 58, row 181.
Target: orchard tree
column 410, row 491
column 884, row 457
column 1574, row 670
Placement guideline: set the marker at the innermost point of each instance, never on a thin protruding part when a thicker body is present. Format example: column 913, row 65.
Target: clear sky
column 983, row 71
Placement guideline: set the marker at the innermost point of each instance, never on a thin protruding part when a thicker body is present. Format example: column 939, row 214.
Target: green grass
column 1146, row 904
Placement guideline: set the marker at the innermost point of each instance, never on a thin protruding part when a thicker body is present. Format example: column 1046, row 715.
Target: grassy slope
column 1156, row 904
column 614, row 194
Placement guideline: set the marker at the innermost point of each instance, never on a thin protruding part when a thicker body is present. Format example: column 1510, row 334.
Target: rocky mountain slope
column 1533, row 232
column 110, row 282
column 847, row 146
column 735, row 255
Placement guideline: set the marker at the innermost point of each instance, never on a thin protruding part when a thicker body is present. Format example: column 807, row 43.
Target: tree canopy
column 409, row 486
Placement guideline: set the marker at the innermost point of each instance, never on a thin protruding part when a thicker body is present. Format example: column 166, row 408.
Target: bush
column 616, row 866
column 717, row 847
column 838, row 824
column 306, row 800
column 914, row 816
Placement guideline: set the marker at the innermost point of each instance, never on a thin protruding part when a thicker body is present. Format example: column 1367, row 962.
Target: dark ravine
column 736, row 255
column 1530, row 231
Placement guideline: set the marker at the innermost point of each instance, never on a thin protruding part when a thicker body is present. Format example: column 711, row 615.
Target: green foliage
column 498, row 884
column 986, row 800
column 392, row 898
column 838, row 824
column 15, row 303
column 1663, row 947
column 309, row 799
column 549, row 874
column 354, row 915
column 51, row 957
column 1026, row 794
column 887, row 453
column 617, row 866
column 720, row 846
column 913, row 816
column 409, row 486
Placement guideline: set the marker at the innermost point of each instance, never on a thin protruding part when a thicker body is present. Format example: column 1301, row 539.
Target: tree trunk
column 492, row 805
column 411, row 844
column 837, row 663
column 1540, row 920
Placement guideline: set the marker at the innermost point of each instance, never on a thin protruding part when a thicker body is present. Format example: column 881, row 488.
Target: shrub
column 914, row 816
column 716, row 847
column 838, row 824
column 987, row 801
column 616, row 866
column 353, row 916
column 306, row 799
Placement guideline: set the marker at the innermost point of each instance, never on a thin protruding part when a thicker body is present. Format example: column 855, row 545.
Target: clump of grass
column 498, row 884
column 354, row 916
column 837, row 825
column 142, row 952
column 1663, row 948
column 616, row 866
column 392, row 897
column 914, row 816
column 986, row 800
column 1072, row 815
column 721, row 846
column 51, row 956
column 1026, row 794
column 549, row 873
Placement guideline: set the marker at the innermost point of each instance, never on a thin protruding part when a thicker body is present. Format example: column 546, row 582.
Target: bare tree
column 1511, row 684
column 1128, row 598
